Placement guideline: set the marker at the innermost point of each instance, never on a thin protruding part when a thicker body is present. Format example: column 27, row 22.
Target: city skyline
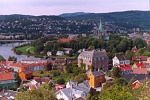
column 56, row 7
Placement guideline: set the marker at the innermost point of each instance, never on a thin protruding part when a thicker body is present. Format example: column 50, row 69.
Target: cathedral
column 101, row 33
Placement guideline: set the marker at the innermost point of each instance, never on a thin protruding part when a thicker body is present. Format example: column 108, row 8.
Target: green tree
column 39, row 94
column 116, row 92
column 116, row 72
column 139, row 43
column 80, row 78
column 60, row 81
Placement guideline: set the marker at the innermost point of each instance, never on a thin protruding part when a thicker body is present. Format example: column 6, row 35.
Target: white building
column 73, row 91
column 49, row 53
column 60, row 53
column 67, row 50
column 120, row 60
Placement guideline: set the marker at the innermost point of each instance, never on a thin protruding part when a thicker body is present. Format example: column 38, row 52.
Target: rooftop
column 7, row 76
column 96, row 73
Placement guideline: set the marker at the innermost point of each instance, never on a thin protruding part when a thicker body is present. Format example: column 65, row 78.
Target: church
column 101, row 33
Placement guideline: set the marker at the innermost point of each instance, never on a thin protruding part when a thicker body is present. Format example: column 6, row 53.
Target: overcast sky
column 55, row 7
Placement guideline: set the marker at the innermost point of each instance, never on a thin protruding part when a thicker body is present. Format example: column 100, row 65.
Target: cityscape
column 74, row 50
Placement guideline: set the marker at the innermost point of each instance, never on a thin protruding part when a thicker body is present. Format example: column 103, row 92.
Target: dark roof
column 134, row 77
column 96, row 73
column 94, row 54
column 121, row 57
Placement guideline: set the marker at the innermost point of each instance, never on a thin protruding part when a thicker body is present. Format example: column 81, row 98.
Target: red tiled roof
column 65, row 40
column 140, row 64
column 136, row 84
column 125, row 67
column 140, row 58
column 24, row 66
column 147, row 41
column 139, row 71
column 44, row 79
column 134, row 49
column 7, row 76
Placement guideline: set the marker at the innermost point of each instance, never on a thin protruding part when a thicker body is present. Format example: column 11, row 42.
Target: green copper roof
column 100, row 29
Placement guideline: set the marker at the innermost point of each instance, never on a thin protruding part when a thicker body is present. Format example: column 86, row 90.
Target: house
column 49, row 53
column 73, row 91
column 126, row 69
column 93, row 59
column 134, row 49
column 59, row 87
column 79, row 51
column 120, row 59
column 7, row 79
column 67, row 50
column 32, row 85
column 43, row 80
column 60, row 53
column 26, row 68
column 7, row 95
column 139, row 68
column 96, row 78
column 136, row 84
column 140, row 59
column 147, row 41
column 36, row 82
column 65, row 40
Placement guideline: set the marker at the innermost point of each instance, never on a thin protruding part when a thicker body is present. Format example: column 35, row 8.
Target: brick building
column 95, row 59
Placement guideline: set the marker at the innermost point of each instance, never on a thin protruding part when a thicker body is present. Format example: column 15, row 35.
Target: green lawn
column 25, row 50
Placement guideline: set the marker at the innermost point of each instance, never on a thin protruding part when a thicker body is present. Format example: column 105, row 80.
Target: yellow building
column 96, row 78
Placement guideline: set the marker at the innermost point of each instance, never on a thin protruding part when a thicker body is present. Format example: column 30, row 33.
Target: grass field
column 25, row 49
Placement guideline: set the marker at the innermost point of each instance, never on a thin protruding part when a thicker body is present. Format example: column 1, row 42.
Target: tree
column 129, row 54
column 39, row 94
column 80, row 78
column 116, row 92
column 60, row 81
column 116, row 72
column 139, row 43
column 12, row 58
column 124, row 45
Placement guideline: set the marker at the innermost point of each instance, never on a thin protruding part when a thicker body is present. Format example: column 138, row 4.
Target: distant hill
column 127, row 18
column 73, row 14
column 75, row 23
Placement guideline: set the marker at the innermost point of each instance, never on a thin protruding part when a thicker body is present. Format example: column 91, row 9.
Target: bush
column 60, row 81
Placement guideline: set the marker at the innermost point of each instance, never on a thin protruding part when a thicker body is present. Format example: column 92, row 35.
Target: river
column 6, row 51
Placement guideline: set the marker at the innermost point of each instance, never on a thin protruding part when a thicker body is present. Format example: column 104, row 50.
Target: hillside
column 75, row 23
column 126, row 19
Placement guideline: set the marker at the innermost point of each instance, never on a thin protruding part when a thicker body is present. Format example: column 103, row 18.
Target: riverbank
column 27, row 50
column 6, row 50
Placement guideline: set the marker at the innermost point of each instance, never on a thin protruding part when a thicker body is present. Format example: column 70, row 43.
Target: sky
column 56, row 7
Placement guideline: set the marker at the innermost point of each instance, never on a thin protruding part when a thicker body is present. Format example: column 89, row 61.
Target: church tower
column 100, row 31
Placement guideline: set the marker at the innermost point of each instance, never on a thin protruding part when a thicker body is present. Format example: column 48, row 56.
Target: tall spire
column 100, row 29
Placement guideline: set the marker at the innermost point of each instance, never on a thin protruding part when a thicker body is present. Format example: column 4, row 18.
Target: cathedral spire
column 100, row 29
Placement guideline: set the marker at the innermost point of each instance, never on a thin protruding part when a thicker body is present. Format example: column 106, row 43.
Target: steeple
column 100, row 29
